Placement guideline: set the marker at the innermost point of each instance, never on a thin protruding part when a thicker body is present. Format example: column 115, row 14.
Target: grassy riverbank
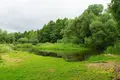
column 26, row 66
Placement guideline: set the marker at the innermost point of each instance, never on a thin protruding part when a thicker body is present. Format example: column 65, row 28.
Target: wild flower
column 111, row 70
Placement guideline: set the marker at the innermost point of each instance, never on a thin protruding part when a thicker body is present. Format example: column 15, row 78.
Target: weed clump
column 0, row 59
column 5, row 48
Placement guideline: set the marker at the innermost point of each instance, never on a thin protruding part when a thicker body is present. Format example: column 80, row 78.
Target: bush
column 24, row 47
column 5, row 48
column 113, row 49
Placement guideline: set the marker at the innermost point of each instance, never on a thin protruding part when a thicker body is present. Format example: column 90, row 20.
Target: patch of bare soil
column 52, row 70
column 105, row 65
column 113, row 67
column 9, row 59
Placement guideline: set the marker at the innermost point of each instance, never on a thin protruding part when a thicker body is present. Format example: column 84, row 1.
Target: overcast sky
column 21, row 15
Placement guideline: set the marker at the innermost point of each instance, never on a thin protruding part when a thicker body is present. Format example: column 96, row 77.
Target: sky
column 21, row 15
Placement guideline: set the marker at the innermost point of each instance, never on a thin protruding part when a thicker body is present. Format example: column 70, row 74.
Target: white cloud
column 21, row 15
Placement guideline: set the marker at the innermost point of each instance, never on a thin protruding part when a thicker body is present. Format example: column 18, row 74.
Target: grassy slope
column 104, row 58
column 25, row 66
column 60, row 47
column 53, row 47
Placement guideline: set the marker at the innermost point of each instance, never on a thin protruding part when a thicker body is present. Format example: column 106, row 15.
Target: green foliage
column 6, row 38
column 58, row 46
column 27, row 37
column 5, row 48
column 115, row 9
column 10, row 38
column 77, row 29
column 104, row 58
column 44, row 34
column 78, row 39
column 0, row 59
column 94, row 28
column 95, row 8
column 32, row 36
column 23, row 40
column 24, row 47
column 17, row 35
column 3, row 36
column 104, row 33
column 113, row 49
column 52, row 31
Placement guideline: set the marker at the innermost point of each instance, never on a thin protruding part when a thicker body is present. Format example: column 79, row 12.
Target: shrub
column 5, row 48
column 24, row 47
column 113, row 49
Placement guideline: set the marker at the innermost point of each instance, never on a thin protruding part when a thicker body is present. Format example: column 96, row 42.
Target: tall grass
column 103, row 58
column 5, row 48
column 113, row 49
column 24, row 47
column 0, row 59
column 51, row 47
column 61, row 47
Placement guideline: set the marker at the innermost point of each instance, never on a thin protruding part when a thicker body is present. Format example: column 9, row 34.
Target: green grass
column 0, row 59
column 61, row 47
column 25, row 66
column 5, row 48
column 19, row 65
column 104, row 58
column 58, row 46
column 52, row 47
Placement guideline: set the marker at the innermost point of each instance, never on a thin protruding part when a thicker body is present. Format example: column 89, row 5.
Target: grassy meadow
column 23, row 65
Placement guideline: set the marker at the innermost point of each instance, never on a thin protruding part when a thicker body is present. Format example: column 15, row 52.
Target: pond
column 68, row 55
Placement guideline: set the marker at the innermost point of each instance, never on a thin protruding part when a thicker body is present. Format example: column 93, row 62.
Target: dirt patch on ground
column 9, row 59
column 113, row 67
column 52, row 70
column 105, row 65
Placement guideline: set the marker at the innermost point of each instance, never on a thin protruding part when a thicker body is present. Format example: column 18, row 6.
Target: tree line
column 95, row 27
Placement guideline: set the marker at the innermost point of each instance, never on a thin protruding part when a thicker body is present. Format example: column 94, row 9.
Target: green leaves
column 104, row 32
column 95, row 8
column 115, row 9
column 79, row 28
column 52, row 31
